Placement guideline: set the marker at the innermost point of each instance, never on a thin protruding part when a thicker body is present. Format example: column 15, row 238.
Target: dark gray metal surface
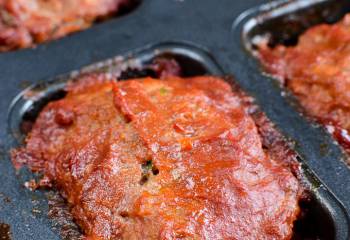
column 203, row 23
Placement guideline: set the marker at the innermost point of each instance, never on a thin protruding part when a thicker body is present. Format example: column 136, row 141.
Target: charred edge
column 312, row 221
column 5, row 232
column 62, row 217
column 124, row 214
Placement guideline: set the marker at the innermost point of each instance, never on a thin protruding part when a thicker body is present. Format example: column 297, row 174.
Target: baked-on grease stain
column 5, row 233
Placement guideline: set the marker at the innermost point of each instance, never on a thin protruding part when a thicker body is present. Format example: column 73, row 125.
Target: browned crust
column 275, row 145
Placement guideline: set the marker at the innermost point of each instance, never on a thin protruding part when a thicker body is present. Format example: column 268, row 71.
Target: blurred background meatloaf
column 24, row 23
column 317, row 71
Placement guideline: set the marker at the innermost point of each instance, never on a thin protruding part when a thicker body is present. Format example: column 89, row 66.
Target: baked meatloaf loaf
column 317, row 71
column 24, row 23
column 163, row 159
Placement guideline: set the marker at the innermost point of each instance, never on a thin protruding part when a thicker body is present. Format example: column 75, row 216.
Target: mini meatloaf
column 317, row 71
column 24, row 23
column 163, row 159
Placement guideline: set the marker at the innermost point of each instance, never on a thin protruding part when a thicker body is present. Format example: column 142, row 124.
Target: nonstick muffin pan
column 199, row 36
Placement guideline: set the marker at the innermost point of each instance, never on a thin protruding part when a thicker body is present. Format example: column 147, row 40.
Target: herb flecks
column 147, row 169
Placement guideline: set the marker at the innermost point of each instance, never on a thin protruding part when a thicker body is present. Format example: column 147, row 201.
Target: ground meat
column 24, row 23
column 162, row 159
column 317, row 71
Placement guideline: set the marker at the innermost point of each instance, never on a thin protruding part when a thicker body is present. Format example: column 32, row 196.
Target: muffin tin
column 205, row 37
